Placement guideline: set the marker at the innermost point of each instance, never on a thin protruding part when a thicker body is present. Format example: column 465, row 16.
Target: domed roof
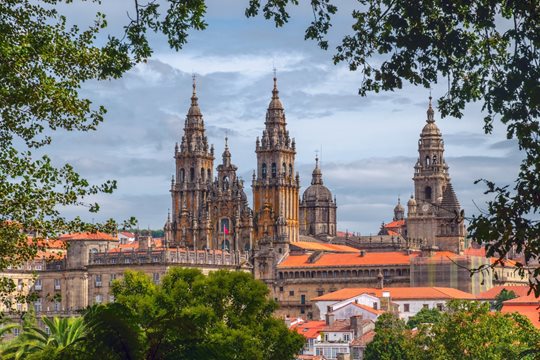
column 399, row 207
column 430, row 128
column 317, row 191
column 411, row 201
column 194, row 110
column 275, row 103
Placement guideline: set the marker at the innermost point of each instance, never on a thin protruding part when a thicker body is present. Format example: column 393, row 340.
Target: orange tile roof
column 88, row 236
column 392, row 233
column 528, row 306
column 369, row 309
column 127, row 234
column 395, row 224
column 347, row 259
column 339, row 325
column 398, row 293
column 475, row 252
column 364, row 339
column 50, row 255
column 492, row 293
column 309, row 329
column 134, row 246
column 324, row 247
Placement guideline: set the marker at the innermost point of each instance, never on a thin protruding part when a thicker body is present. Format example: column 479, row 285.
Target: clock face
column 425, row 207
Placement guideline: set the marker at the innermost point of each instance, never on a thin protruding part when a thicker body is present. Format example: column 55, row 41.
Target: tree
column 486, row 51
column 225, row 315
column 424, row 316
column 35, row 343
column 502, row 297
column 469, row 330
column 392, row 340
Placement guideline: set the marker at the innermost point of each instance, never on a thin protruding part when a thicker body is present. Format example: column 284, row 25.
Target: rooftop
column 398, row 293
column 88, row 236
column 348, row 259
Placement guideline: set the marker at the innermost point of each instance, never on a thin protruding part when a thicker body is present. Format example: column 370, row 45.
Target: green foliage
column 485, row 51
column 424, row 316
column 35, row 343
column 467, row 330
column 392, row 340
column 502, row 297
column 225, row 315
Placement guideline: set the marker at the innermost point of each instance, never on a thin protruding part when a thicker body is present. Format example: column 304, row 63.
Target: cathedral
column 212, row 211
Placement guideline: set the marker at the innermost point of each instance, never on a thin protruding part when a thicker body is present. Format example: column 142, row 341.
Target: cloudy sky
column 369, row 144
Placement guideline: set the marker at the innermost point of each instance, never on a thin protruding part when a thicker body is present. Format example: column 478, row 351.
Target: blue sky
column 369, row 144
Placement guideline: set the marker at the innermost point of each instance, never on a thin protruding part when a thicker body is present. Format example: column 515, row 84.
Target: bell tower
column 194, row 163
column 435, row 217
column 275, row 183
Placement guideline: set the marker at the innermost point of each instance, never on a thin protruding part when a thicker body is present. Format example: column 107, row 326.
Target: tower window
column 274, row 170
column 428, row 161
column 208, row 174
column 427, row 192
column 290, row 170
column 263, row 170
column 284, row 169
column 182, row 175
column 191, row 174
column 202, row 174
column 434, row 159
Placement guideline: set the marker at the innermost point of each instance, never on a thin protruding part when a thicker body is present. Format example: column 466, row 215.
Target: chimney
column 287, row 321
column 144, row 242
column 356, row 325
column 330, row 317
column 362, row 253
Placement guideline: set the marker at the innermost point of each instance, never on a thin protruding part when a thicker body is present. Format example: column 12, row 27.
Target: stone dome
column 399, row 207
column 317, row 192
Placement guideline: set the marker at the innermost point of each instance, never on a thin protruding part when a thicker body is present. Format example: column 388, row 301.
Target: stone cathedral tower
column 434, row 214
column 194, row 164
column 275, row 183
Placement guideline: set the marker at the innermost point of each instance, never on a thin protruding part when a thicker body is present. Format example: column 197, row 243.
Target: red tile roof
column 134, row 246
column 364, row 339
column 395, row 224
column 324, row 247
column 309, row 329
column 127, row 234
column 492, row 293
column 338, row 325
column 398, row 293
column 88, row 236
column 528, row 306
column 347, row 259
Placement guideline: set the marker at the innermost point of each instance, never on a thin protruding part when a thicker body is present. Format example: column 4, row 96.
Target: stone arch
column 182, row 175
column 427, row 193
column 263, row 170
column 274, row 170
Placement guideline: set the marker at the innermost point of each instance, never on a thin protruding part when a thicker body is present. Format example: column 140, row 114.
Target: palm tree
column 34, row 342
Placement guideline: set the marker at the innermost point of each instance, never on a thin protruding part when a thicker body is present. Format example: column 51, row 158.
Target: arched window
column 208, row 174
column 434, row 159
column 290, row 170
column 202, row 174
column 428, row 160
column 284, row 167
column 191, row 174
column 274, row 170
column 182, row 175
column 225, row 183
column 263, row 170
column 427, row 193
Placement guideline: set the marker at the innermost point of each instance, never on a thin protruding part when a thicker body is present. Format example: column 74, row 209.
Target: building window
column 191, row 174
column 37, row 305
column 406, row 308
column 302, row 310
column 16, row 331
column 56, row 306
column 155, row 278
column 274, row 170
column 291, row 293
column 113, row 260
column 302, row 299
column 320, row 292
column 346, row 337
column 47, row 330
column 39, row 267
column 99, row 299
column 56, row 284
column 427, row 192
column 375, row 306
column 425, row 306
column 111, row 298
column 19, row 306
column 113, row 277
column 98, row 280
column 127, row 261
column 263, row 170
column 281, row 289
column 19, row 285
column 440, row 306
column 38, row 285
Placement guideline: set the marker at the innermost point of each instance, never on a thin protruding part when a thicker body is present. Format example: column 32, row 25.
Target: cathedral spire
column 430, row 112
column 317, row 174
